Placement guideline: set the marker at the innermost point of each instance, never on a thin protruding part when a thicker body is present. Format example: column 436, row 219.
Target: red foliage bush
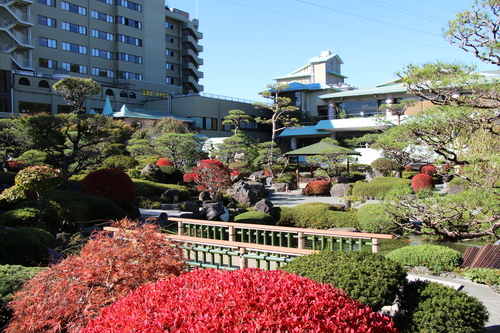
column 247, row 300
column 422, row 180
column 408, row 168
column 235, row 173
column 213, row 176
column 428, row 169
column 64, row 297
column 15, row 166
column 189, row 177
column 164, row 162
column 317, row 187
column 112, row 184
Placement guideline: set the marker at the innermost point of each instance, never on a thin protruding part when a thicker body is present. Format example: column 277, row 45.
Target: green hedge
column 20, row 217
column 373, row 218
column 146, row 188
column 432, row 307
column 436, row 258
column 22, row 247
column 378, row 187
column 318, row 215
column 255, row 218
column 368, row 277
column 488, row 276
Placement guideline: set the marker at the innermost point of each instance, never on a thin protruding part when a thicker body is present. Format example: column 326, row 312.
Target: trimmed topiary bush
column 21, row 246
column 111, row 184
column 373, row 218
column 172, row 174
column 435, row 257
column 120, row 162
column 432, row 307
column 367, row 277
column 318, row 187
column 386, row 166
column 246, row 300
column 319, row 215
column 428, row 169
column 378, row 187
column 20, row 217
column 422, row 180
column 408, row 174
column 147, row 188
column 255, row 218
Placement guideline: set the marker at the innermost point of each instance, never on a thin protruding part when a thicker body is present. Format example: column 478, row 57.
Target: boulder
column 205, row 196
column 269, row 181
column 216, row 212
column 258, row 188
column 191, row 206
column 171, row 195
column 280, row 187
column 243, row 193
column 339, row 190
column 256, row 175
column 264, row 206
column 455, row 189
column 155, row 172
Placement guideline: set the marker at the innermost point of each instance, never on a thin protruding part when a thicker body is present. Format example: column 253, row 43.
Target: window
column 24, row 81
column 74, row 68
column 74, row 28
column 109, row 2
column 204, row 123
column 169, row 25
column 102, row 35
column 43, row 84
column 129, row 57
column 123, row 94
column 169, row 80
column 129, row 22
column 48, row 42
column 129, row 4
column 44, row 20
column 48, row 2
column 169, row 39
column 103, row 54
column 162, row 94
column 147, row 92
column 102, row 72
column 169, row 66
column 128, row 75
column 74, row 48
column 169, row 52
column 47, row 63
column 109, row 92
column 102, row 16
column 132, row 95
column 128, row 39
column 73, row 8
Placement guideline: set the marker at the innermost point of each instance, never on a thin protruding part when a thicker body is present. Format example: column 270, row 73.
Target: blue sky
column 249, row 43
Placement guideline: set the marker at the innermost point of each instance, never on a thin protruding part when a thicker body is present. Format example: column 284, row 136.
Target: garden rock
column 269, row 181
column 280, row 187
column 339, row 190
column 155, row 172
column 264, row 206
column 169, row 195
column 243, row 193
column 216, row 212
column 191, row 206
column 256, row 175
column 455, row 189
column 205, row 196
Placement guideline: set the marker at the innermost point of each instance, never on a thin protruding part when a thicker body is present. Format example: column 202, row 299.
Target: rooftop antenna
column 197, row 9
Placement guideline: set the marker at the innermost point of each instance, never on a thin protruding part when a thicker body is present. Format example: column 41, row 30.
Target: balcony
column 192, row 42
column 22, row 18
column 194, row 57
column 193, row 69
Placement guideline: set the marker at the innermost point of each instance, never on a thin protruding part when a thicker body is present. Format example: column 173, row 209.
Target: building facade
column 138, row 51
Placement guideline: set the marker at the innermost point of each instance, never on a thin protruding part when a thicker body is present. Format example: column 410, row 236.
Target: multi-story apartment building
column 136, row 50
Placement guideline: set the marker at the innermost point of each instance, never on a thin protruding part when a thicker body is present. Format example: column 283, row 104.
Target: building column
column 293, row 143
column 331, row 109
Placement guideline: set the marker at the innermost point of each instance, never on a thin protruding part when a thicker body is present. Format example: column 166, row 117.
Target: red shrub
column 189, row 177
column 235, row 173
column 408, row 168
column 15, row 166
column 64, row 297
column 247, row 300
column 422, row 180
column 317, row 187
column 428, row 169
column 164, row 162
column 213, row 176
column 112, row 184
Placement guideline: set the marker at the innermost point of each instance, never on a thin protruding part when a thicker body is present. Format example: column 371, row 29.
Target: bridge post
column 180, row 228
column 375, row 245
column 302, row 240
column 243, row 260
column 232, row 235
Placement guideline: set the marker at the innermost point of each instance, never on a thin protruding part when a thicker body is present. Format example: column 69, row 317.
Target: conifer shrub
column 378, row 187
column 172, row 174
column 12, row 278
column 19, row 217
column 148, row 188
column 255, row 218
column 373, row 218
column 435, row 257
column 65, row 296
column 386, row 166
column 23, row 246
column 367, row 277
column 318, row 187
column 432, row 307
column 120, row 162
column 246, row 300
column 111, row 184
column 422, row 180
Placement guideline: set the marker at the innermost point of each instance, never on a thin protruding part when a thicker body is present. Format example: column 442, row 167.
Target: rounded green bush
column 386, row 166
column 283, row 216
column 367, row 277
column 378, row 187
column 120, row 162
column 20, row 217
column 429, row 307
column 172, row 174
column 373, row 218
column 18, row 249
column 435, row 257
column 319, row 215
column 255, row 218
column 148, row 188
